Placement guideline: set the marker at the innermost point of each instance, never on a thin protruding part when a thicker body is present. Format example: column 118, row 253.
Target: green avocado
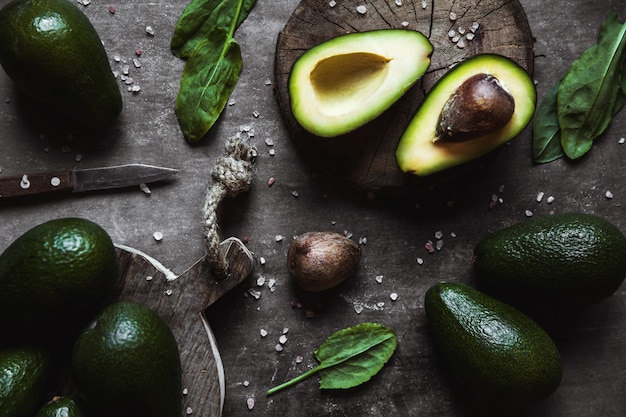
column 67, row 406
column 51, row 51
column 501, row 357
column 24, row 372
column 347, row 81
column 127, row 363
column 55, row 277
column 567, row 259
column 480, row 104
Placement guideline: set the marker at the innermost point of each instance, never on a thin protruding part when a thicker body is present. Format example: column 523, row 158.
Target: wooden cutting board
column 366, row 157
column 182, row 301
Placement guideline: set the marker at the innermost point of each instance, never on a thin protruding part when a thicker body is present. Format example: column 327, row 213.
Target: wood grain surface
column 366, row 157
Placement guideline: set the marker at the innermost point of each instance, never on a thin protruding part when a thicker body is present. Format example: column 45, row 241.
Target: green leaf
column 200, row 17
column 350, row 357
column 209, row 77
column 204, row 35
column 590, row 90
column 546, row 131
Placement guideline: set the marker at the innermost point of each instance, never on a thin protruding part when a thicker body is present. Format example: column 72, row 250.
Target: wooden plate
column 366, row 157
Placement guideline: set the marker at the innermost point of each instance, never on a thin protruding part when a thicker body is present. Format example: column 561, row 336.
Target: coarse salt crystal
column 150, row 30
column 260, row 281
column 405, row 24
column 540, row 196
column 550, row 200
column 269, row 141
column 379, row 279
column 144, row 187
column 168, row 292
column 362, row 9
column 278, row 348
column 332, row 3
column 358, row 309
column 470, row 36
column 420, row 261
column 282, row 339
column 299, row 359
column 461, row 43
column 424, row 4
column 250, row 403
column 188, row 410
column 453, row 16
column 285, row 330
column 608, row 194
column 528, row 213
column 451, row 33
column 158, row 236
column 475, row 26
column 622, row 140
column 278, row 238
column 263, row 333
column 398, row 2
column 246, row 383
column 393, row 296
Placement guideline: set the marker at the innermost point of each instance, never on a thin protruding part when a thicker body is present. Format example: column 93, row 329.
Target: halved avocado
column 345, row 82
column 477, row 106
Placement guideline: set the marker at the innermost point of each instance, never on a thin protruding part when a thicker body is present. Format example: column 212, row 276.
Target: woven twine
column 232, row 175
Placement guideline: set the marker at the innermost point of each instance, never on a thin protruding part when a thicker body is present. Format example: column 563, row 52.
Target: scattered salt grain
column 112, row 9
column 145, row 189
column 295, row 193
column 332, row 3
column 470, row 36
column 475, row 27
column 250, row 403
column 285, row 330
column 255, row 114
column 621, row 141
column 608, row 194
column 158, row 236
column 149, row 278
column 246, row 383
column 278, row 348
column 271, row 181
column 461, row 44
column 254, row 293
column 528, row 213
column 540, row 196
column 135, row 88
column 424, row 4
column 299, row 359
column 262, row 260
column 260, row 281
column 405, row 24
column 263, row 333
column 278, row 238
column 453, row 16
column 398, row 2
column 461, row 30
column 150, row 30
column 379, row 279
column 438, row 234
column 420, row 261
column 168, row 292
column 188, row 411
column 78, row 157
column 393, row 296
column 363, row 240
column 358, row 309
column 362, row 9
column 185, row 391
column 550, row 200
column 451, row 33
column 136, row 63
column 282, row 339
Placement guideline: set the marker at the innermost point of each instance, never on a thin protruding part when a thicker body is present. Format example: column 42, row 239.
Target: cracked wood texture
column 365, row 158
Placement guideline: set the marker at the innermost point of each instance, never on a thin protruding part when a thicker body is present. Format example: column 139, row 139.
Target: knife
column 80, row 180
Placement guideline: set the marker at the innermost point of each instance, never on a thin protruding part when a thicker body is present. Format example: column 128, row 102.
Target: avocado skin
column 67, row 406
column 500, row 356
column 569, row 260
column 127, row 363
column 63, row 65
column 24, row 372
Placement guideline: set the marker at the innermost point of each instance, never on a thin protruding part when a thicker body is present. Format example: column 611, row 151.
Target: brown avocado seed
column 318, row 261
column 479, row 106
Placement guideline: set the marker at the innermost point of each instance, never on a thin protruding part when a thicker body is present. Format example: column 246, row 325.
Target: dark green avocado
column 51, row 51
column 477, row 106
column 567, row 259
column 500, row 356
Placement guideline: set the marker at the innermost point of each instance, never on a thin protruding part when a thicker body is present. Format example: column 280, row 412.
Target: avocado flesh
column 341, row 84
column 500, row 356
column 51, row 51
column 420, row 153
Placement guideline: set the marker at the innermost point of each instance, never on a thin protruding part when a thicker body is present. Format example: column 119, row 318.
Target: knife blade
column 80, row 180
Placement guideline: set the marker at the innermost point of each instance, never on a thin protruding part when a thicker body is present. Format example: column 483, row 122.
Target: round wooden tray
column 366, row 157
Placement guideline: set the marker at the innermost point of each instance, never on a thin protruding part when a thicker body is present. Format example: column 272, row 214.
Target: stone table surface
column 392, row 230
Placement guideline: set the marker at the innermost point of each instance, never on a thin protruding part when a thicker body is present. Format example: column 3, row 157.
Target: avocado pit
column 481, row 105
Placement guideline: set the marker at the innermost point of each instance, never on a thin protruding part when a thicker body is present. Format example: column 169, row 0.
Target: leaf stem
column 295, row 380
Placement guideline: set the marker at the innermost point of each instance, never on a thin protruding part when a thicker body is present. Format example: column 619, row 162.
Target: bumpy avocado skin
column 500, row 356
column 52, row 52
column 567, row 259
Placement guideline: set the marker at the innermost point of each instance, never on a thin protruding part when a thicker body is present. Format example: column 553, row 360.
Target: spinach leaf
column 590, row 90
column 546, row 131
column 209, row 78
column 349, row 357
column 204, row 36
column 200, row 17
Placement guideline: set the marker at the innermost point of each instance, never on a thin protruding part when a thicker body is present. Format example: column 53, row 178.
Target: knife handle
column 32, row 184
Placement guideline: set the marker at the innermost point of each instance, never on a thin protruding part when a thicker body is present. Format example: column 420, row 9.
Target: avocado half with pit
column 477, row 106
column 347, row 81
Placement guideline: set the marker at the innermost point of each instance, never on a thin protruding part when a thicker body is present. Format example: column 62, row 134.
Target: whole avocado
column 55, row 277
column 568, row 259
column 24, row 372
column 51, row 51
column 127, row 363
column 500, row 356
